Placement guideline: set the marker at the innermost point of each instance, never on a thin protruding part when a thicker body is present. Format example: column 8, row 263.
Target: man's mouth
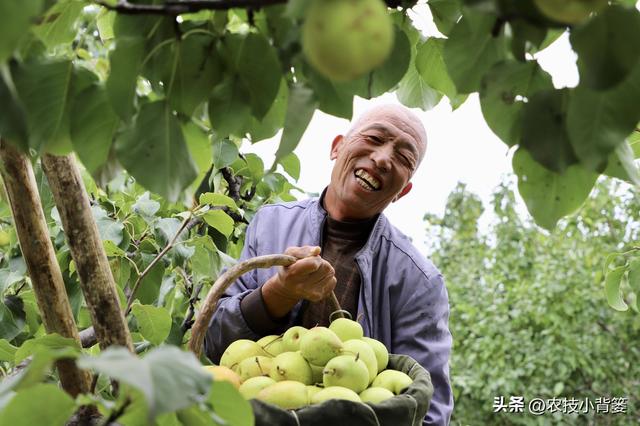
column 367, row 181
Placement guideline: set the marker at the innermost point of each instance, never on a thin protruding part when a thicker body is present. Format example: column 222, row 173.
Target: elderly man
column 344, row 243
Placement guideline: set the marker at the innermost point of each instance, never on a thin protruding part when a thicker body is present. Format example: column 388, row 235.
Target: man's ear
column 404, row 192
column 334, row 147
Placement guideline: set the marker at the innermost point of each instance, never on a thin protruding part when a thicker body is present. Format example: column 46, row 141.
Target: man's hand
column 310, row 278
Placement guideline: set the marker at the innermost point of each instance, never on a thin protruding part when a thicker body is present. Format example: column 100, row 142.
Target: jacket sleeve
column 424, row 335
column 228, row 324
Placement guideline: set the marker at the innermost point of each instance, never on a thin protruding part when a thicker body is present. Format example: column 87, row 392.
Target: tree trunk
column 39, row 255
column 86, row 248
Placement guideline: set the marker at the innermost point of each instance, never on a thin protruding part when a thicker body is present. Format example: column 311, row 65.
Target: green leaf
column 11, row 324
column 634, row 275
column 199, row 146
column 291, row 165
column 153, row 323
column 550, row 196
column 93, row 127
column 7, row 351
column 229, row 110
column 430, row 65
column 14, row 18
column 54, row 407
column 599, row 121
column 445, row 14
column 634, row 142
column 225, row 153
column 219, row 220
column 472, row 49
column 33, row 374
column 390, row 72
column 104, row 22
column 612, row 288
column 58, row 23
column 415, row 93
column 13, row 126
column 300, row 109
column 155, row 153
column 256, row 64
column 608, row 47
column 333, row 98
column 145, row 206
column 109, row 229
column 216, row 199
column 503, row 93
column 205, row 262
column 273, row 121
column 196, row 70
column 125, row 65
column 230, row 405
column 621, row 165
column 149, row 287
column 52, row 346
column 544, row 130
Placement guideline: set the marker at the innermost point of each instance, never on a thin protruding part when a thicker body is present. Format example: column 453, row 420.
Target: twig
column 188, row 319
column 232, row 182
column 177, row 7
column 155, row 260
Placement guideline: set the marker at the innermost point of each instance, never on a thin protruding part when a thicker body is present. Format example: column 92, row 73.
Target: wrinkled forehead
column 394, row 116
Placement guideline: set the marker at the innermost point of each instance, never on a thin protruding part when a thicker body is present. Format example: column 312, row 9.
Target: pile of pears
column 308, row 366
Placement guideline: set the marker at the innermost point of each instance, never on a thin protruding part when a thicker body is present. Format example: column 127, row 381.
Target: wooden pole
column 39, row 255
column 86, row 248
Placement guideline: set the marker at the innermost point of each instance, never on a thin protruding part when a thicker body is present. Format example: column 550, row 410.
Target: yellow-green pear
column 286, row 394
column 250, row 388
column 312, row 390
column 375, row 395
column 346, row 329
column 382, row 354
column 291, row 366
column 395, row 381
column 344, row 40
column 316, row 373
column 239, row 350
column 272, row 344
column 254, row 366
column 348, row 371
column 365, row 353
column 291, row 338
column 319, row 345
column 335, row 392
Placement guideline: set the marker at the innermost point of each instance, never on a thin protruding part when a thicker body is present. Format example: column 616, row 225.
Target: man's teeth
column 366, row 180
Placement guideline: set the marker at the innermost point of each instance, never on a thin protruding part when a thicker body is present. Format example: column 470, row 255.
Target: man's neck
column 329, row 203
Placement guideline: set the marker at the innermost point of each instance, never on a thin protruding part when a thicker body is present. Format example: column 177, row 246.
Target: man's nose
column 382, row 158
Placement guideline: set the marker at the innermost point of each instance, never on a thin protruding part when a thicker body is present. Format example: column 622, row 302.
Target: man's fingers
column 302, row 252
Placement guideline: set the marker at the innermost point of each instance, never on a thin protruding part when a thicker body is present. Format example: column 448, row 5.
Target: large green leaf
column 11, row 322
column 300, row 108
column 125, row 65
column 225, row 153
column 93, row 126
column 503, row 93
column 600, row 120
column 13, row 125
column 57, row 25
column 256, row 63
column 273, row 121
column 52, row 346
column 196, row 70
column 608, row 47
column 7, row 351
column 548, row 195
column 155, row 153
column 634, row 275
column 219, row 220
column 15, row 16
column 414, row 92
column 621, row 165
column 384, row 77
column 229, row 404
column 445, row 14
column 229, row 110
column 333, row 98
column 472, row 49
column 544, row 130
column 153, row 323
column 54, row 407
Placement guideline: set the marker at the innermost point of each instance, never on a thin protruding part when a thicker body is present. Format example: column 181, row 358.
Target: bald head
column 399, row 116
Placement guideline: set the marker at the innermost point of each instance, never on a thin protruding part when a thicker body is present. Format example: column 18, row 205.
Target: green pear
column 348, row 371
column 291, row 338
column 366, row 354
column 250, row 388
column 316, row 373
column 344, row 40
column 254, row 366
column 382, row 354
column 239, row 350
column 335, row 392
column 375, row 395
column 319, row 345
column 395, row 381
column 312, row 390
column 272, row 344
column 346, row 329
column 287, row 394
column 291, row 366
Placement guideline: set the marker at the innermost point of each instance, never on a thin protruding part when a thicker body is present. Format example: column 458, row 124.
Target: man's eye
column 374, row 139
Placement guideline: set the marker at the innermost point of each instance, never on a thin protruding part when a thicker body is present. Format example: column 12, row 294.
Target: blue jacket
column 403, row 301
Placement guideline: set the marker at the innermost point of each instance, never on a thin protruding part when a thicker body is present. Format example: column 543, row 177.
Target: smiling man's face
column 374, row 162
